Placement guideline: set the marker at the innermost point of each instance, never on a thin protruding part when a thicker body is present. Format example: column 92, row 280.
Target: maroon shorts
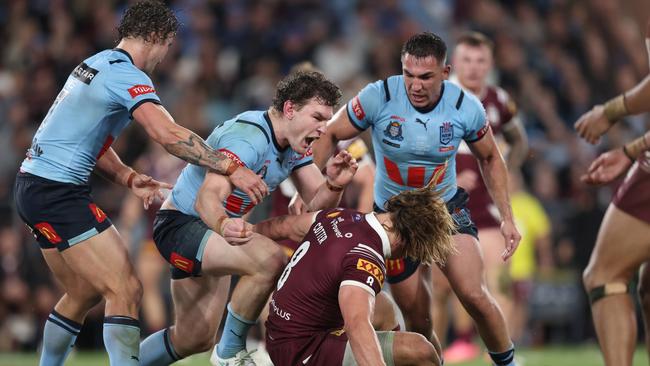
column 633, row 196
column 322, row 349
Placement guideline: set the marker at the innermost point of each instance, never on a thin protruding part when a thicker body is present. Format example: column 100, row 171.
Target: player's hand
column 236, row 231
column 467, row 179
column 341, row 168
column 297, row 205
column 249, row 183
column 593, row 124
column 148, row 189
column 512, row 238
column 607, row 167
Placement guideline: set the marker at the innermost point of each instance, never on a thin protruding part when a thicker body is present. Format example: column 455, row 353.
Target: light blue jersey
column 89, row 113
column 414, row 145
column 249, row 140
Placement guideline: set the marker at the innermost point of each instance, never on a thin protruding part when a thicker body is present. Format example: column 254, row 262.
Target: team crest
column 262, row 172
column 394, row 131
column 446, row 133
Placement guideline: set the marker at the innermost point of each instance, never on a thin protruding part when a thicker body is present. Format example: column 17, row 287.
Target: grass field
column 550, row 356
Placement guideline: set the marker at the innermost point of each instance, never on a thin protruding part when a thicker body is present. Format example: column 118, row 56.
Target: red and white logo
column 140, row 89
column 483, row 130
column 232, row 156
column 358, row 109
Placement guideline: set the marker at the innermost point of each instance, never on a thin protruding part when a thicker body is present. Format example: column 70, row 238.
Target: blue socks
column 157, row 349
column 233, row 338
column 59, row 336
column 122, row 340
column 506, row 358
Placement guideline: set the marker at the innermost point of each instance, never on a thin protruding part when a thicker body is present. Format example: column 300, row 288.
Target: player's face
column 423, row 79
column 308, row 124
column 472, row 64
column 158, row 52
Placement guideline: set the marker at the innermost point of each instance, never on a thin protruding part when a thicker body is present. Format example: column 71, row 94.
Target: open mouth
column 310, row 140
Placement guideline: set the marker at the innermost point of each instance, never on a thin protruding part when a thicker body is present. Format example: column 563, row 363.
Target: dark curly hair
column 426, row 44
column 145, row 17
column 302, row 85
column 422, row 222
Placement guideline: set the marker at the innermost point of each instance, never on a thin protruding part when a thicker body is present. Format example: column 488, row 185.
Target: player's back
column 343, row 247
column 89, row 113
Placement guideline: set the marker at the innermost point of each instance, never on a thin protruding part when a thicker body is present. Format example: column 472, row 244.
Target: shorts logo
column 48, row 232
column 140, row 89
column 100, row 216
column 394, row 131
column 232, row 156
column 358, row 109
column 181, row 262
column 395, row 267
column 371, row 268
column 446, row 133
column 461, row 217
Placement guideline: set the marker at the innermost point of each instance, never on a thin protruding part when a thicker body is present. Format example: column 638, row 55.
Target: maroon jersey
column 633, row 195
column 342, row 248
column 500, row 110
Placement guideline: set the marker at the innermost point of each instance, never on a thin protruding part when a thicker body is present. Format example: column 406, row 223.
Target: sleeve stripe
column 480, row 136
column 268, row 139
column 154, row 101
column 352, row 120
column 302, row 165
column 358, row 284
column 459, row 102
column 387, row 91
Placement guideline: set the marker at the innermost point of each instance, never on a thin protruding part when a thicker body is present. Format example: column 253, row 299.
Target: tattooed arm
column 188, row 146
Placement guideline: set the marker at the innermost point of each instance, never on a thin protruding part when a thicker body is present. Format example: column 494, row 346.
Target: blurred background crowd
column 555, row 57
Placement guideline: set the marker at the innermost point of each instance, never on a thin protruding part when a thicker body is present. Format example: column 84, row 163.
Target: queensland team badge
column 446, row 133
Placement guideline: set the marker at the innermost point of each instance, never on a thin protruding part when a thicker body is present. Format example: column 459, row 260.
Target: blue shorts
column 59, row 215
column 181, row 239
column 402, row 268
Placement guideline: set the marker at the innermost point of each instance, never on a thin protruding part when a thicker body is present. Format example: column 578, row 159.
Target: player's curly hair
column 150, row 20
column 302, row 85
column 421, row 220
column 426, row 44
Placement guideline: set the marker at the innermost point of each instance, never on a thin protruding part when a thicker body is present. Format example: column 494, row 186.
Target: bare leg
column 150, row 267
column 440, row 307
column 413, row 349
column 384, row 317
column 623, row 244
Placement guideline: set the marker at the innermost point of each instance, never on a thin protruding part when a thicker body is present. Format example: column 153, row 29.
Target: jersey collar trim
column 427, row 110
column 275, row 140
column 374, row 223
column 126, row 53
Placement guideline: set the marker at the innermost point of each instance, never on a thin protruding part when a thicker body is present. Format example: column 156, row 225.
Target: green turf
column 587, row 355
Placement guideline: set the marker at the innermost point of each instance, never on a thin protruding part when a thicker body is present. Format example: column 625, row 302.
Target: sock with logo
column 157, row 349
column 59, row 336
column 233, row 338
column 506, row 358
column 122, row 340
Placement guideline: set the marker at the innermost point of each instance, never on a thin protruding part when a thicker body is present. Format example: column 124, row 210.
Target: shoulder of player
column 463, row 101
column 249, row 126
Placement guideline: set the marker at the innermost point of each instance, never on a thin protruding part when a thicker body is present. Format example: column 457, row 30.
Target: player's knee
column 477, row 302
column 126, row 291
column 588, row 279
column 422, row 351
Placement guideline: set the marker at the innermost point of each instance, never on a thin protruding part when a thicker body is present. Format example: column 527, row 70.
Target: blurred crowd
column 555, row 57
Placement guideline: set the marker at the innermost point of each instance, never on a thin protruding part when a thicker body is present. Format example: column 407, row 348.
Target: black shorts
column 400, row 269
column 181, row 239
column 60, row 215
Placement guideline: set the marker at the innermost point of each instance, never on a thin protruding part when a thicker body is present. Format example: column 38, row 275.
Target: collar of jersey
column 124, row 52
column 275, row 141
column 429, row 109
column 376, row 225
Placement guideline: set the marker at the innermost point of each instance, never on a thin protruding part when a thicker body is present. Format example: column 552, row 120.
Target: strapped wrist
column 332, row 187
column 129, row 180
column 232, row 167
column 633, row 149
column 615, row 109
column 220, row 223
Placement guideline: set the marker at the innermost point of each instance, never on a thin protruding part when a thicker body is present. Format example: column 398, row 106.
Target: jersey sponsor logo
column 395, row 267
column 358, row 109
column 371, row 268
column 422, row 122
column 182, row 263
column 100, row 216
column 48, row 232
column 84, row 73
column 334, row 214
column 279, row 312
column 232, row 156
column 140, row 89
column 394, row 131
column 335, row 227
column 446, row 133
column 446, row 148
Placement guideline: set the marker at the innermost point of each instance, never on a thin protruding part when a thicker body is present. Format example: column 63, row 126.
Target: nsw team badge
column 446, row 133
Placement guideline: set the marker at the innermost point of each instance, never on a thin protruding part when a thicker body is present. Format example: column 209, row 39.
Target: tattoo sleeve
column 196, row 151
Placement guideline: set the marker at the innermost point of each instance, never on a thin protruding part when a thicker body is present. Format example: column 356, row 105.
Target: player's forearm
column 190, row 147
column 111, row 167
column 637, row 100
column 283, row 227
column 364, row 343
column 327, row 196
column 323, row 148
column 210, row 209
column 495, row 175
